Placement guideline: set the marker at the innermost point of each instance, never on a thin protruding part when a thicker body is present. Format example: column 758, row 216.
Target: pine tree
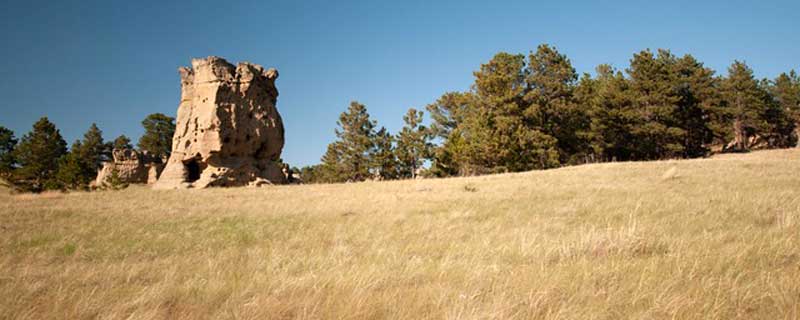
column 38, row 154
column 384, row 161
column 613, row 117
column 332, row 168
column 114, row 181
column 495, row 116
column 80, row 165
column 448, row 114
column 499, row 134
column 348, row 158
column 7, row 145
column 413, row 145
column 93, row 151
column 745, row 103
column 779, row 123
column 74, row 172
column 312, row 174
column 698, row 93
column 786, row 92
column 157, row 137
column 550, row 104
column 122, row 142
column 653, row 83
column 584, row 97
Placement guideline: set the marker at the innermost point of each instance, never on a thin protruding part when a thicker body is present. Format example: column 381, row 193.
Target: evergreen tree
column 74, row 171
column 448, row 114
column 38, row 154
column 122, row 142
column 659, row 133
column 786, row 92
column 7, row 145
column 413, row 145
column 745, row 103
column 698, row 98
column 499, row 134
column 613, row 117
column 312, row 174
column 550, row 104
column 779, row 123
column 332, row 168
column 93, row 151
column 584, row 97
column 673, row 99
column 157, row 137
column 80, row 166
column 384, row 160
column 348, row 158
column 114, row 181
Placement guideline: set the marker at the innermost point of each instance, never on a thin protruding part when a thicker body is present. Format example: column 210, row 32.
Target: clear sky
column 114, row 62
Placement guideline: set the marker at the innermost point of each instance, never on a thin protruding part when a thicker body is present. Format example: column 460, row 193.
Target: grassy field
column 713, row 238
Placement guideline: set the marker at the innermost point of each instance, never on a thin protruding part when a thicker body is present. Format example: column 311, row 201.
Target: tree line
column 40, row 160
column 522, row 112
column 535, row 112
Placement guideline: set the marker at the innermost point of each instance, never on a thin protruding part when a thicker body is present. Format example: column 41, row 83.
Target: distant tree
column 38, row 154
column 413, row 144
column 448, row 114
column 311, row 174
column 122, row 142
column 550, row 103
column 384, row 160
column 80, row 165
column 500, row 132
column 493, row 124
column 114, row 181
column 93, row 150
column 332, row 168
column 659, row 133
column 779, row 130
column 612, row 115
column 584, row 96
column 745, row 103
column 672, row 100
column 158, row 132
column 348, row 158
column 698, row 99
column 785, row 90
column 7, row 145
column 74, row 172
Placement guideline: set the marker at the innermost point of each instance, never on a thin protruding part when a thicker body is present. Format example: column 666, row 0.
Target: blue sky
column 114, row 62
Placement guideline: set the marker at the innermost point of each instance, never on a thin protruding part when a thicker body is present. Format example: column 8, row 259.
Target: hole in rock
column 192, row 170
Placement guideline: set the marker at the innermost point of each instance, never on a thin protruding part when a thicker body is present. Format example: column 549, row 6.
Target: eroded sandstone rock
column 131, row 167
column 228, row 131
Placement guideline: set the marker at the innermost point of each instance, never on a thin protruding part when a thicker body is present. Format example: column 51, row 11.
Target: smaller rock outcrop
column 131, row 166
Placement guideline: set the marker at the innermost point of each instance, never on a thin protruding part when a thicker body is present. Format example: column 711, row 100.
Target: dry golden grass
column 714, row 239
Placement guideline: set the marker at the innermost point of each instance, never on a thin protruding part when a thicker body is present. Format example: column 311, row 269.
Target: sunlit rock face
column 130, row 166
column 228, row 130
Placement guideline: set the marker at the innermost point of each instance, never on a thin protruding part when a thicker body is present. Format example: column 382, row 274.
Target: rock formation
column 228, row 131
column 797, row 135
column 131, row 167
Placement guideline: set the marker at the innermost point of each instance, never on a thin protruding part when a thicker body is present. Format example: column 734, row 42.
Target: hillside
column 708, row 238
